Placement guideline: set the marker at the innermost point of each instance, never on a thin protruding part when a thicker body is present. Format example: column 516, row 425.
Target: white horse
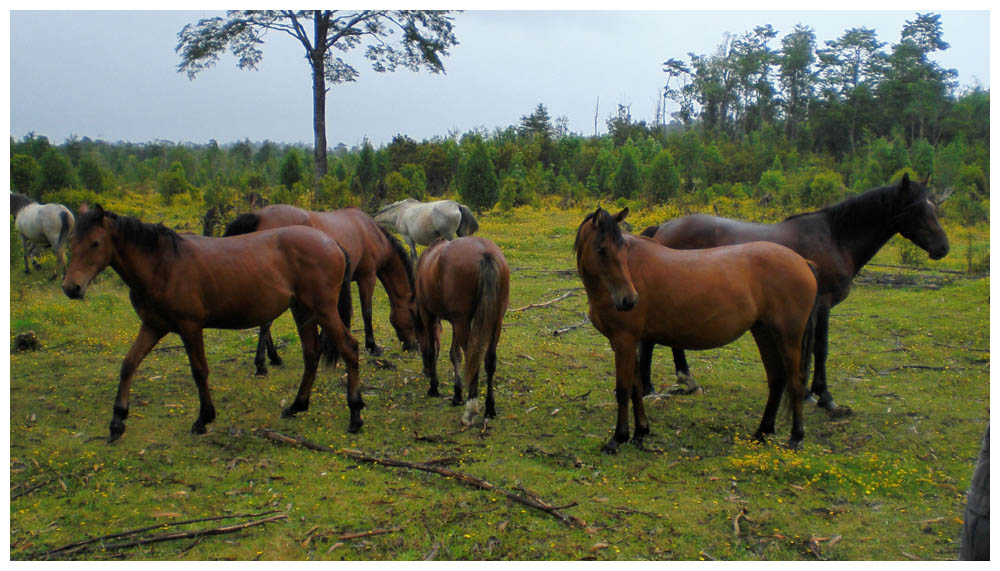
column 423, row 222
column 41, row 225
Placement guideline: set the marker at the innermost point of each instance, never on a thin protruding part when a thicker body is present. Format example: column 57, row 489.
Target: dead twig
column 87, row 545
column 569, row 328
column 528, row 499
column 543, row 304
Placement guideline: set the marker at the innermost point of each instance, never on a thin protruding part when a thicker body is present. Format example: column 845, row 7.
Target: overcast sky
column 112, row 75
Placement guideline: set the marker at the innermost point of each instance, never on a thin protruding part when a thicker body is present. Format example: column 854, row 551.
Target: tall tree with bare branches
column 412, row 39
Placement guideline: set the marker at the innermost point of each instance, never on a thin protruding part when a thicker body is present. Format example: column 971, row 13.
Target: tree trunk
column 319, row 97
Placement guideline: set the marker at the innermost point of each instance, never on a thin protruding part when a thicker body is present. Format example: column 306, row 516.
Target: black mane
column 404, row 257
column 146, row 236
column 883, row 204
column 18, row 201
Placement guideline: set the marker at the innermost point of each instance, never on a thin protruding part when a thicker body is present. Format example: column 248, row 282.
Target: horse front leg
column 194, row 344
column 24, row 248
column 625, row 368
column 143, row 344
column 820, row 350
column 264, row 344
column 646, row 366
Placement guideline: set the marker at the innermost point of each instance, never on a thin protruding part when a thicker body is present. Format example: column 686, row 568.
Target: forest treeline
column 799, row 125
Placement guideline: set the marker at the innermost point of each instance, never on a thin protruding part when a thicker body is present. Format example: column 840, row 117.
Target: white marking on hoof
column 471, row 410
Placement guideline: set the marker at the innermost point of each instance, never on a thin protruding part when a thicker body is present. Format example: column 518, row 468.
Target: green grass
column 887, row 482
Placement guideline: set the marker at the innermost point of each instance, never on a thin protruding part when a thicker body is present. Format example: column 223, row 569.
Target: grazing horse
column 184, row 284
column 41, row 225
column 465, row 282
column 423, row 222
column 641, row 292
column 840, row 239
column 374, row 254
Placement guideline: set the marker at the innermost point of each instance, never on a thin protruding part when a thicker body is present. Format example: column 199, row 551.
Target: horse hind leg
column 684, row 372
column 347, row 349
column 309, row 338
column 455, row 354
column 194, row 344
column 265, row 345
column 490, row 365
column 771, row 359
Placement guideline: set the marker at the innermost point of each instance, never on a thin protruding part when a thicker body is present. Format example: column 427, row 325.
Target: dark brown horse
column 642, row 292
column 374, row 254
column 840, row 239
column 467, row 283
column 184, row 284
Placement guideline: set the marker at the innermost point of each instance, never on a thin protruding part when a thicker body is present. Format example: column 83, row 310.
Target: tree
column 797, row 78
column 627, row 176
column 538, row 123
column 663, row 179
column 478, row 185
column 424, row 36
column 56, row 172
column 366, row 172
column 24, row 171
column 291, row 168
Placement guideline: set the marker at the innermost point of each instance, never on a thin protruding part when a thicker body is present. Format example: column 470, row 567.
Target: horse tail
column 485, row 317
column 344, row 309
column 65, row 225
column 650, row 231
column 468, row 226
column 243, row 224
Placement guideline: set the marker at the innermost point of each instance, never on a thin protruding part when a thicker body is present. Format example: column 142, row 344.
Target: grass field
column 909, row 357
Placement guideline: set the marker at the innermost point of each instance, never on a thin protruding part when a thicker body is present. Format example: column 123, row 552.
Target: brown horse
column 466, row 282
column 374, row 254
column 840, row 239
column 642, row 292
column 184, row 284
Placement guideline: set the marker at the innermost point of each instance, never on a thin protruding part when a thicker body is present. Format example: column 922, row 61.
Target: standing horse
column 41, row 225
column 184, row 284
column 641, row 292
column 840, row 239
column 465, row 282
column 423, row 222
column 374, row 253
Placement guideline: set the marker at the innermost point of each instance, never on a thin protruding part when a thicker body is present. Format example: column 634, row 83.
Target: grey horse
column 423, row 222
column 41, row 225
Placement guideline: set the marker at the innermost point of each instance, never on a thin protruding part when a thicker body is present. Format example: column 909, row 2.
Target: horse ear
column 593, row 217
column 621, row 215
column 904, row 184
column 83, row 209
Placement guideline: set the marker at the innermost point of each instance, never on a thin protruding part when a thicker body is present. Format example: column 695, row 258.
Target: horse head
column 91, row 249
column 602, row 255
column 18, row 201
column 918, row 221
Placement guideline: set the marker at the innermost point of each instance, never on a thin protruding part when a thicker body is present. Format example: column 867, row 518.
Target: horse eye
column 95, row 244
column 602, row 251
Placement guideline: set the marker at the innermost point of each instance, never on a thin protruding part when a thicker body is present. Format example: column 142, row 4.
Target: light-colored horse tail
column 468, row 226
column 483, row 327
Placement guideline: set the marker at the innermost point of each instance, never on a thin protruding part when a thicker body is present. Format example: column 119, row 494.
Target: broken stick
column 530, row 500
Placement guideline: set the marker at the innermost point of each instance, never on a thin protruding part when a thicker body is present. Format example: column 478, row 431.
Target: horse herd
column 696, row 282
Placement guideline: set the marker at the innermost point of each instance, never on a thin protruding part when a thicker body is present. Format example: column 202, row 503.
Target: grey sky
column 112, row 75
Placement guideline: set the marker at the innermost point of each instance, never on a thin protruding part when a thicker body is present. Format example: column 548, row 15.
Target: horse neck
column 394, row 277
column 863, row 235
column 138, row 267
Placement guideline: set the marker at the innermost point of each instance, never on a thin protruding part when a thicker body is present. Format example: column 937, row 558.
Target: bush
column 72, row 198
column 478, row 185
column 291, row 168
column 173, row 182
column 825, row 188
column 24, row 173
column 663, row 180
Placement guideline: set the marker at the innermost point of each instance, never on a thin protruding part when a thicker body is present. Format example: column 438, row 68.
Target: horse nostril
column 72, row 291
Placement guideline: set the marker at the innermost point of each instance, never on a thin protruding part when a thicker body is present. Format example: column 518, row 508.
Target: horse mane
column 391, row 206
column 145, row 235
column 243, row 224
column 402, row 254
column 883, row 202
column 606, row 224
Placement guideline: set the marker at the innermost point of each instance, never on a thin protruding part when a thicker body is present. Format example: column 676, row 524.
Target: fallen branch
column 543, row 304
column 921, row 367
column 87, row 545
column 529, row 499
column 569, row 328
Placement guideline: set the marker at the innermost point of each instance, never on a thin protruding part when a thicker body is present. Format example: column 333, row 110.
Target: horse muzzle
column 73, row 291
column 626, row 302
column 939, row 251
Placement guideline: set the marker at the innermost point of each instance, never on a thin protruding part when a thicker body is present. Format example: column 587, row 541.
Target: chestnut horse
column 184, row 284
column 374, row 253
column 641, row 292
column 466, row 282
column 840, row 239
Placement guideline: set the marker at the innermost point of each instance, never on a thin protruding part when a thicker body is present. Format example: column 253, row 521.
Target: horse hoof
column 410, row 346
column 261, row 372
column 276, row 361
column 611, row 447
column 355, row 426
column 794, row 444
column 433, row 392
column 808, row 397
column 198, row 428
column 457, row 401
column 374, row 350
column 292, row 410
column 828, row 404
